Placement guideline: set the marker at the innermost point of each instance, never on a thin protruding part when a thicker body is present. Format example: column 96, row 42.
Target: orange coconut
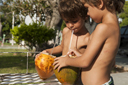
column 44, row 65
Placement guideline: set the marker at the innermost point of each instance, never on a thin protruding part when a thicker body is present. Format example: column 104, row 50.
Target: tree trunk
column 48, row 16
column 52, row 15
column 0, row 28
column 53, row 19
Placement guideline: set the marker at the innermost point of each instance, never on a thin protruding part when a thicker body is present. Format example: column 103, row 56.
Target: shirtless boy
column 98, row 59
column 73, row 13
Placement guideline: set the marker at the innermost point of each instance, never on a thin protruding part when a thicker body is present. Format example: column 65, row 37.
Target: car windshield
column 122, row 30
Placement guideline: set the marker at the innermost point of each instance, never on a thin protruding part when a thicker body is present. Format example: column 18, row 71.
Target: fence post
column 27, row 63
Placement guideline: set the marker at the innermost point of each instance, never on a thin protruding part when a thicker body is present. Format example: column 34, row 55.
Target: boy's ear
column 101, row 4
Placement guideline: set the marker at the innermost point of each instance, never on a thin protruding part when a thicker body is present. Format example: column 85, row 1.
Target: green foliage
column 33, row 34
column 63, row 25
column 6, row 19
column 124, row 15
column 6, row 31
column 28, row 7
column 24, row 8
column 124, row 23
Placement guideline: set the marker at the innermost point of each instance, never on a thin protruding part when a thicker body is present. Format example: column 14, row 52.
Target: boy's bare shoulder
column 103, row 30
column 101, row 27
column 65, row 30
column 107, row 29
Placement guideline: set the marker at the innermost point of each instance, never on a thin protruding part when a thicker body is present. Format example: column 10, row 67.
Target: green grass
column 16, row 62
column 9, row 44
column 13, row 50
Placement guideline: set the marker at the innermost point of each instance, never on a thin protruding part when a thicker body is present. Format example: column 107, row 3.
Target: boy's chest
column 77, row 43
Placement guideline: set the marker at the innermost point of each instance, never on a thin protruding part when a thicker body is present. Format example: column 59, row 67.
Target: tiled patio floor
column 31, row 78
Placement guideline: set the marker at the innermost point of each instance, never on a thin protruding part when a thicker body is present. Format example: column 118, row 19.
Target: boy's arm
column 95, row 45
column 58, row 49
column 97, row 40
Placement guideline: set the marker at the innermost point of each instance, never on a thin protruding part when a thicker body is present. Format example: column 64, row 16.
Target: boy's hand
column 36, row 56
column 44, row 51
column 39, row 53
column 60, row 62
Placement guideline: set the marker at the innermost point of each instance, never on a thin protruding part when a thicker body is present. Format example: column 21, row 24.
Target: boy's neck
column 82, row 31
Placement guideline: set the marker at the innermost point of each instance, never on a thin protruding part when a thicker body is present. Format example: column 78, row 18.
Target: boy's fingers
column 36, row 56
column 56, row 59
column 55, row 62
column 57, row 65
column 59, row 69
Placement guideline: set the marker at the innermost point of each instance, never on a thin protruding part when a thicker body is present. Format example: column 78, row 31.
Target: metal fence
column 27, row 57
column 25, row 77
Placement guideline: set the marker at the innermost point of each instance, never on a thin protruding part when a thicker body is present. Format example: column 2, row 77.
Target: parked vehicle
column 124, row 36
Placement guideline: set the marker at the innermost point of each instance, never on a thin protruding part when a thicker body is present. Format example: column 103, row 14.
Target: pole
column 27, row 63
column 12, row 26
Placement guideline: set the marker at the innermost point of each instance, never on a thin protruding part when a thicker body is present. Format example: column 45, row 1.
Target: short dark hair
column 111, row 5
column 70, row 9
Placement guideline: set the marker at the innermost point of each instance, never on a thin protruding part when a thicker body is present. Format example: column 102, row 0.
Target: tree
column 45, row 10
column 34, row 35
column 53, row 18
column 124, row 15
column 6, row 18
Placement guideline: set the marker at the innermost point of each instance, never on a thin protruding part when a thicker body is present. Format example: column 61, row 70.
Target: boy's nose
column 70, row 25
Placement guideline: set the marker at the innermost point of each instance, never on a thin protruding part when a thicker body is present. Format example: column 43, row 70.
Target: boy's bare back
column 107, row 33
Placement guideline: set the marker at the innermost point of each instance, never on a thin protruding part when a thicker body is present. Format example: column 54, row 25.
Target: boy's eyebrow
column 82, row 1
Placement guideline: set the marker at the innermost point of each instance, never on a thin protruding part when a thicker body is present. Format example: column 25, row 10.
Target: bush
column 63, row 25
column 34, row 35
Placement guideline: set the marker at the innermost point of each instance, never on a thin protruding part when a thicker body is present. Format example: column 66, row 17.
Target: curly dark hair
column 111, row 5
column 70, row 9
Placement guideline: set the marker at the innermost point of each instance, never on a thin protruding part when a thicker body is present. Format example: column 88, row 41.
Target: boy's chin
column 75, row 32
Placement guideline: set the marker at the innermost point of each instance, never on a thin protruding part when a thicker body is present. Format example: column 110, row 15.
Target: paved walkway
column 11, row 47
column 23, row 79
column 122, row 60
column 120, row 78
